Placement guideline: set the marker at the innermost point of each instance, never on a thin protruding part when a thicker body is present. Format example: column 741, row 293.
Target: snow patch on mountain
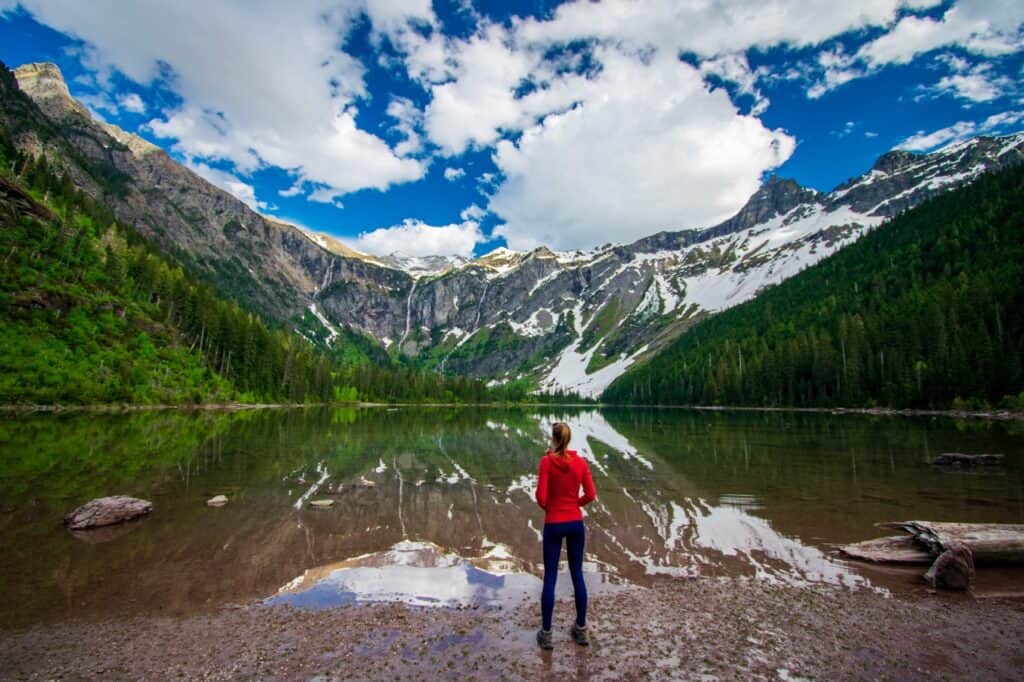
column 570, row 371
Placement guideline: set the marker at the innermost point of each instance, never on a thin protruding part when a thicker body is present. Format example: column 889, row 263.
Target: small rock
column 953, row 569
column 105, row 511
column 217, row 501
column 321, row 504
column 364, row 482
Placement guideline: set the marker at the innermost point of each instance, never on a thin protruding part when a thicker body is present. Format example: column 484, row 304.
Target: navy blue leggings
column 575, row 537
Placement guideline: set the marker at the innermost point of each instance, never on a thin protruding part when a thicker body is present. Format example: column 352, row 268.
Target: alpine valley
column 547, row 321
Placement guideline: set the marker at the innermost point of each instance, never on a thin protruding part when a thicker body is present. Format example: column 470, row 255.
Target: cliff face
column 269, row 266
column 564, row 320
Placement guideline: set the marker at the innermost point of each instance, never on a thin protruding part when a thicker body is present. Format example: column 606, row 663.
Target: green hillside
column 926, row 311
column 90, row 313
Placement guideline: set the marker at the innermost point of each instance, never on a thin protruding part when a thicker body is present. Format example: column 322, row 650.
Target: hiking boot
column 579, row 635
column 544, row 639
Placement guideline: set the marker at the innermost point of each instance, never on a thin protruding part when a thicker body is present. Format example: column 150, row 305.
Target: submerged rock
column 953, row 569
column 217, row 501
column 321, row 504
column 956, row 459
column 105, row 511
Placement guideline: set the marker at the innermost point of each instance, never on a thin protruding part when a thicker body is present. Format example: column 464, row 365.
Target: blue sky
column 455, row 127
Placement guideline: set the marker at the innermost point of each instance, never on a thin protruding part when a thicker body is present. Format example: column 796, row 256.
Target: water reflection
column 422, row 574
column 435, row 506
column 417, row 573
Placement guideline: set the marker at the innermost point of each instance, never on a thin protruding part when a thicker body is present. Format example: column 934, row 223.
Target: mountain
column 535, row 320
column 577, row 321
column 268, row 265
column 91, row 312
column 926, row 311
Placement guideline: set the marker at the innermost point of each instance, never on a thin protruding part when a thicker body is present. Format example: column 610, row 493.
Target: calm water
column 450, row 519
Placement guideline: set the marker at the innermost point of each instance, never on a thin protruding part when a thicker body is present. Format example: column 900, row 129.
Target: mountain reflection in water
column 419, row 574
column 436, row 504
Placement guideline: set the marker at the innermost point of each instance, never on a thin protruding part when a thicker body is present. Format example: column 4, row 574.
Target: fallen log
column 956, row 459
column 898, row 549
column 988, row 542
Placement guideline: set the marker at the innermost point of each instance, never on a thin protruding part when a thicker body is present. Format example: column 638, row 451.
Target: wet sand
column 726, row 628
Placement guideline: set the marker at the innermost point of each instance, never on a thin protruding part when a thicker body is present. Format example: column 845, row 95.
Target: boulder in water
column 106, row 511
column 217, row 501
column 953, row 569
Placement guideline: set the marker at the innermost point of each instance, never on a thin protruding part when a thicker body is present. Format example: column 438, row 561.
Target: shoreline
column 993, row 415
column 119, row 408
column 116, row 408
column 681, row 628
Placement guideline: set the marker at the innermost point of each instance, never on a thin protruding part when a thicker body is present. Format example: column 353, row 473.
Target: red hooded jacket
column 558, row 487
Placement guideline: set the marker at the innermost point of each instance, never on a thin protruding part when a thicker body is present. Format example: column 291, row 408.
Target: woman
column 561, row 474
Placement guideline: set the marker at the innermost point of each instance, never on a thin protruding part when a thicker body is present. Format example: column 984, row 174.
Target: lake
column 437, row 505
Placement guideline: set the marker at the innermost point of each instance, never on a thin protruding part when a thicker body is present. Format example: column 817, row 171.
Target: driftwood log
column 953, row 548
column 900, row 549
column 956, row 459
column 925, row 540
column 988, row 542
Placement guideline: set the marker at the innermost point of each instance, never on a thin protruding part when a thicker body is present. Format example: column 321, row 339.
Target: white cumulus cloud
column 416, row 238
column 987, row 27
column 262, row 85
column 598, row 130
column 610, row 170
column 981, row 28
column 472, row 212
column 132, row 102
column 960, row 131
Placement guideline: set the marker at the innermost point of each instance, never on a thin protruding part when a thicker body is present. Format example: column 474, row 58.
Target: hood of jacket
column 563, row 462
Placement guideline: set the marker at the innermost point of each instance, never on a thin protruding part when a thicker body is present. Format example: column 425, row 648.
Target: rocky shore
column 680, row 629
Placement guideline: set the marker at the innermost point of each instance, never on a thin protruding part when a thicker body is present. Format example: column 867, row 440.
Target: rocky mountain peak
column 45, row 84
column 42, row 79
column 895, row 160
column 776, row 196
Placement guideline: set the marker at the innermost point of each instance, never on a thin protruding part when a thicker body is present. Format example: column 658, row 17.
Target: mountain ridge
column 540, row 319
column 924, row 312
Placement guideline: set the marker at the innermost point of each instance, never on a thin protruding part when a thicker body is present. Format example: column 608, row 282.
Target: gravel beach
column 726, row 628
